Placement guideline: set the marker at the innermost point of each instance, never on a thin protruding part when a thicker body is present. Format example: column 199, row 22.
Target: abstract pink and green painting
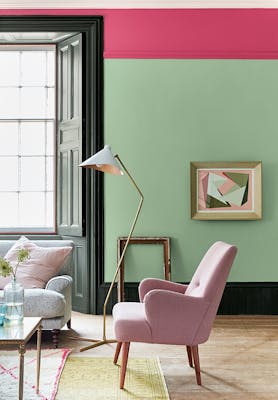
column 225, row 189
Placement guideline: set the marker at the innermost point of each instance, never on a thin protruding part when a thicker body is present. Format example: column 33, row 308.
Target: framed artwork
column 226, row 190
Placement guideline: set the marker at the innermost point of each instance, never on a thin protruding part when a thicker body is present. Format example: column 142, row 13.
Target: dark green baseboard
column 250, row 298
column 245, row 298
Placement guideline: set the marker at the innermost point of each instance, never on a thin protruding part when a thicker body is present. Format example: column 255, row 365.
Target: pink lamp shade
column 103, row 161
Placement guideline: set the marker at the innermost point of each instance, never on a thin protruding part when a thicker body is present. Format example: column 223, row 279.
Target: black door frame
column 92, row 30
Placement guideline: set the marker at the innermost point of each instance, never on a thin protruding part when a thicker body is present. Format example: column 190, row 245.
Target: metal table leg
column 39, row 335
column 21, row 351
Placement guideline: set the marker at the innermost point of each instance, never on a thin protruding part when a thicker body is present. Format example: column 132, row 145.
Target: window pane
column 50, row 139
column 49, row 174
column 50, row 103
column 31, row 209
column 33, row 102
column 9, row 173
column 50, row 68
column 49, row 210
column 9, row 103
column 8, row 210
column 27, row 148
column 32, row 138
column 9, row 68
column 32, row 173
column 8, row 138
column 33, row 68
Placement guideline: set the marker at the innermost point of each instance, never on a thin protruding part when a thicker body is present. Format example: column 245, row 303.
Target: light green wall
column 159, row 116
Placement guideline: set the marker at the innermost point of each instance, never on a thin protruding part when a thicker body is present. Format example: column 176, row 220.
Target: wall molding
column 138, row 4
column 239, row 298
column 195, row 55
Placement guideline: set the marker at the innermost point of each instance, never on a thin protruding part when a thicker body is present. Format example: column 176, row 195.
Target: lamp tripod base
column 96, row 343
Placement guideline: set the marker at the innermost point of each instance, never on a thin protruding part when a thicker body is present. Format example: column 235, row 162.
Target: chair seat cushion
column 130, row 323
column 43, row 303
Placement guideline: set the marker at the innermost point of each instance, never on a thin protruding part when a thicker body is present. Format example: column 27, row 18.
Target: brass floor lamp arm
column 104, row 340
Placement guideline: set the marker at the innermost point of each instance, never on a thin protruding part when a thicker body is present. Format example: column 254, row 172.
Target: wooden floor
column 239, row 361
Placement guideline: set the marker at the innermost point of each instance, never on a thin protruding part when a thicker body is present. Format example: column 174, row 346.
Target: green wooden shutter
column 69, row 137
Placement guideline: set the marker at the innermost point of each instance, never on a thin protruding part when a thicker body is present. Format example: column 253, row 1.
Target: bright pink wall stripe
column 182, row 33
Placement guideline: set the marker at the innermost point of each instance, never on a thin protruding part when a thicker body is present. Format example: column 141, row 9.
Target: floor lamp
column 105, row 161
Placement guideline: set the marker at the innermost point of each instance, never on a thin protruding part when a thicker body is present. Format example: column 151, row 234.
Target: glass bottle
column 14, row 297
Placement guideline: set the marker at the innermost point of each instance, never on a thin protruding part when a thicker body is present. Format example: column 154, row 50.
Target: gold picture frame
column 226, row 190
column 161, row 240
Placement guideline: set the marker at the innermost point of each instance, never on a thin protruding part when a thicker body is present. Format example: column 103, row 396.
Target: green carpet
column 98, row 379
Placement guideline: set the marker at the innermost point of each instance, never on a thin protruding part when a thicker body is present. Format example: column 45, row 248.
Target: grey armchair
column 54, row 302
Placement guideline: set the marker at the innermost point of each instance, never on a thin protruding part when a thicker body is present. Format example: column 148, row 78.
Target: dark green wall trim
column 102, row 291
column 256, row 298
column 250, row 298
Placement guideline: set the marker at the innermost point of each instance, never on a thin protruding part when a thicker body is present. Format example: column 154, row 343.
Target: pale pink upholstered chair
column 172, row 313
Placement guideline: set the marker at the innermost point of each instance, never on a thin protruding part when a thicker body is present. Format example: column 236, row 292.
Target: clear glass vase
column 14, row 298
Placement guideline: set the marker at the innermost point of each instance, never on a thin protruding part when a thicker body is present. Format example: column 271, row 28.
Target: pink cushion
column 44, row 263
column 130, row 323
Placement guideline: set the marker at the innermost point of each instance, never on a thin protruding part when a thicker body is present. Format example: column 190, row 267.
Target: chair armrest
column 166, row 309
column 149, row 284
column 60, row 284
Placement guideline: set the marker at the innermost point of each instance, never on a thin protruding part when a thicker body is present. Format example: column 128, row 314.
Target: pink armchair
column 172, row 313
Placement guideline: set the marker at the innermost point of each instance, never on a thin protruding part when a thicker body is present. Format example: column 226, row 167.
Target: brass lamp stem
column 104, row 339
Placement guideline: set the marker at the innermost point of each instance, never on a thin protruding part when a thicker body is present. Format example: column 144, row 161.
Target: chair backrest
column 209, row 281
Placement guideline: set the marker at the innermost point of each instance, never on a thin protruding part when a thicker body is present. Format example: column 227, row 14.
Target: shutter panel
column 69, row 137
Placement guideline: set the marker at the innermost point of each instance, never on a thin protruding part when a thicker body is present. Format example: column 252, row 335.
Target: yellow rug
column 87, row 378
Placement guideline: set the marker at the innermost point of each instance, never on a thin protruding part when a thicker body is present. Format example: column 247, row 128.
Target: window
column 79, row 194
column 27, row 132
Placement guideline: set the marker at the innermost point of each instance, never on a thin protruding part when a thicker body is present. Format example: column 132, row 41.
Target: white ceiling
column 27, row 4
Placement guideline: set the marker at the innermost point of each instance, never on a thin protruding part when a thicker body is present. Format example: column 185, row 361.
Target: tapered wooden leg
column 55, row 337
column 117, row 352
column 189, row 354
column 124, row 363
column 195, row 353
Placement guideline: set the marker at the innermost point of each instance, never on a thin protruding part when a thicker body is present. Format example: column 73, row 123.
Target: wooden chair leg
column 117, row 352
column 189, row 354
column 195, row 353
column 55, row 337
column 124, row 363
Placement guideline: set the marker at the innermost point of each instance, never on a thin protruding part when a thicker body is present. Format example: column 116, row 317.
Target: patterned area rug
column 90, row 378
column 52, row 363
